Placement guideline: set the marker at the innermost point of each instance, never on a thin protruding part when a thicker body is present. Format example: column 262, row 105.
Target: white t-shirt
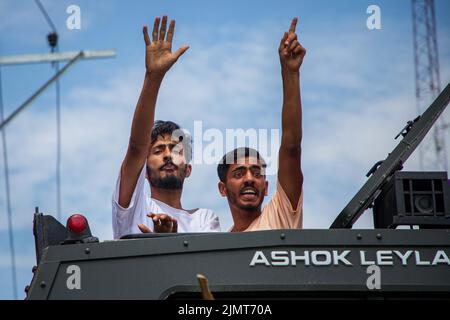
column 125, row 220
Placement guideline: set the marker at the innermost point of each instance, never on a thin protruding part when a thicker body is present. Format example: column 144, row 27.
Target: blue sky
column 357, row 91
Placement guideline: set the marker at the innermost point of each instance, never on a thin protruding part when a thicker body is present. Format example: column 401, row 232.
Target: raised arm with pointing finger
column 241, row 171
column 290, row 174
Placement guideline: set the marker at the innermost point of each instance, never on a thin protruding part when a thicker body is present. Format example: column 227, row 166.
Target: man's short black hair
column 162, row 128
column 233, row 157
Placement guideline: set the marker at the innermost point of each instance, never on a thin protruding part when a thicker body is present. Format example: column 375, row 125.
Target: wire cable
column 53, row 42
column 46, row 16
column 58, row 142
column 8, row 196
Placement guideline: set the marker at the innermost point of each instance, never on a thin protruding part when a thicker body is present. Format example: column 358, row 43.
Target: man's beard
column 168, row 182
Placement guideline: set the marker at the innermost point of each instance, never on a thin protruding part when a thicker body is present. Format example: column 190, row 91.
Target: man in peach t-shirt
column 242, row 171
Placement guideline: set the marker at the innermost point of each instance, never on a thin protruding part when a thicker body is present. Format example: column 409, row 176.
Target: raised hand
column 158, row 53
column 163, row 223
column 290, row 50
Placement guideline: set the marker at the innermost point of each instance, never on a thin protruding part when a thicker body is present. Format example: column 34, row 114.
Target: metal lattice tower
column 432, row 151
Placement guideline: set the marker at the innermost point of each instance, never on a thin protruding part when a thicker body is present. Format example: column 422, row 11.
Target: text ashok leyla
column 341, row 257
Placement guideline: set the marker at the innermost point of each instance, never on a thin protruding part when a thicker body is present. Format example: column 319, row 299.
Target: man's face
column 245, row 185
column 166, row 166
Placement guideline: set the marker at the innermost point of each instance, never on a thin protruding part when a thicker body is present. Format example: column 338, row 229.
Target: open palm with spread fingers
column 290, row 50
column 158, row 54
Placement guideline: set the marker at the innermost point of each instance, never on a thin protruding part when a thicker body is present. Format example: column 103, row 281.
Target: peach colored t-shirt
column 279, row 214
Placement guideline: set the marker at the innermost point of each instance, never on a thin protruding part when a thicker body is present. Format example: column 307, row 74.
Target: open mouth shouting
column 249, row 194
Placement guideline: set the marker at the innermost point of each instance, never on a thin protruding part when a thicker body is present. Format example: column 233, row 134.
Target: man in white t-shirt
column 162, row 157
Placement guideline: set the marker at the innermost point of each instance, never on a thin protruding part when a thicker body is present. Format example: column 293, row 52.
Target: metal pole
column 55, row 56
column 41, row 89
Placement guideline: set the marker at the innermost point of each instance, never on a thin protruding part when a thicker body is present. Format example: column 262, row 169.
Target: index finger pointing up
column 293, row 24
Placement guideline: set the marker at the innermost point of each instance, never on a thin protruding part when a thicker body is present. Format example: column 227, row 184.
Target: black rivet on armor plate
column 87, row 250
column 359, row 236
column 43, row 284
column 379, row 236
column 185, row 243
column 283, row 236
